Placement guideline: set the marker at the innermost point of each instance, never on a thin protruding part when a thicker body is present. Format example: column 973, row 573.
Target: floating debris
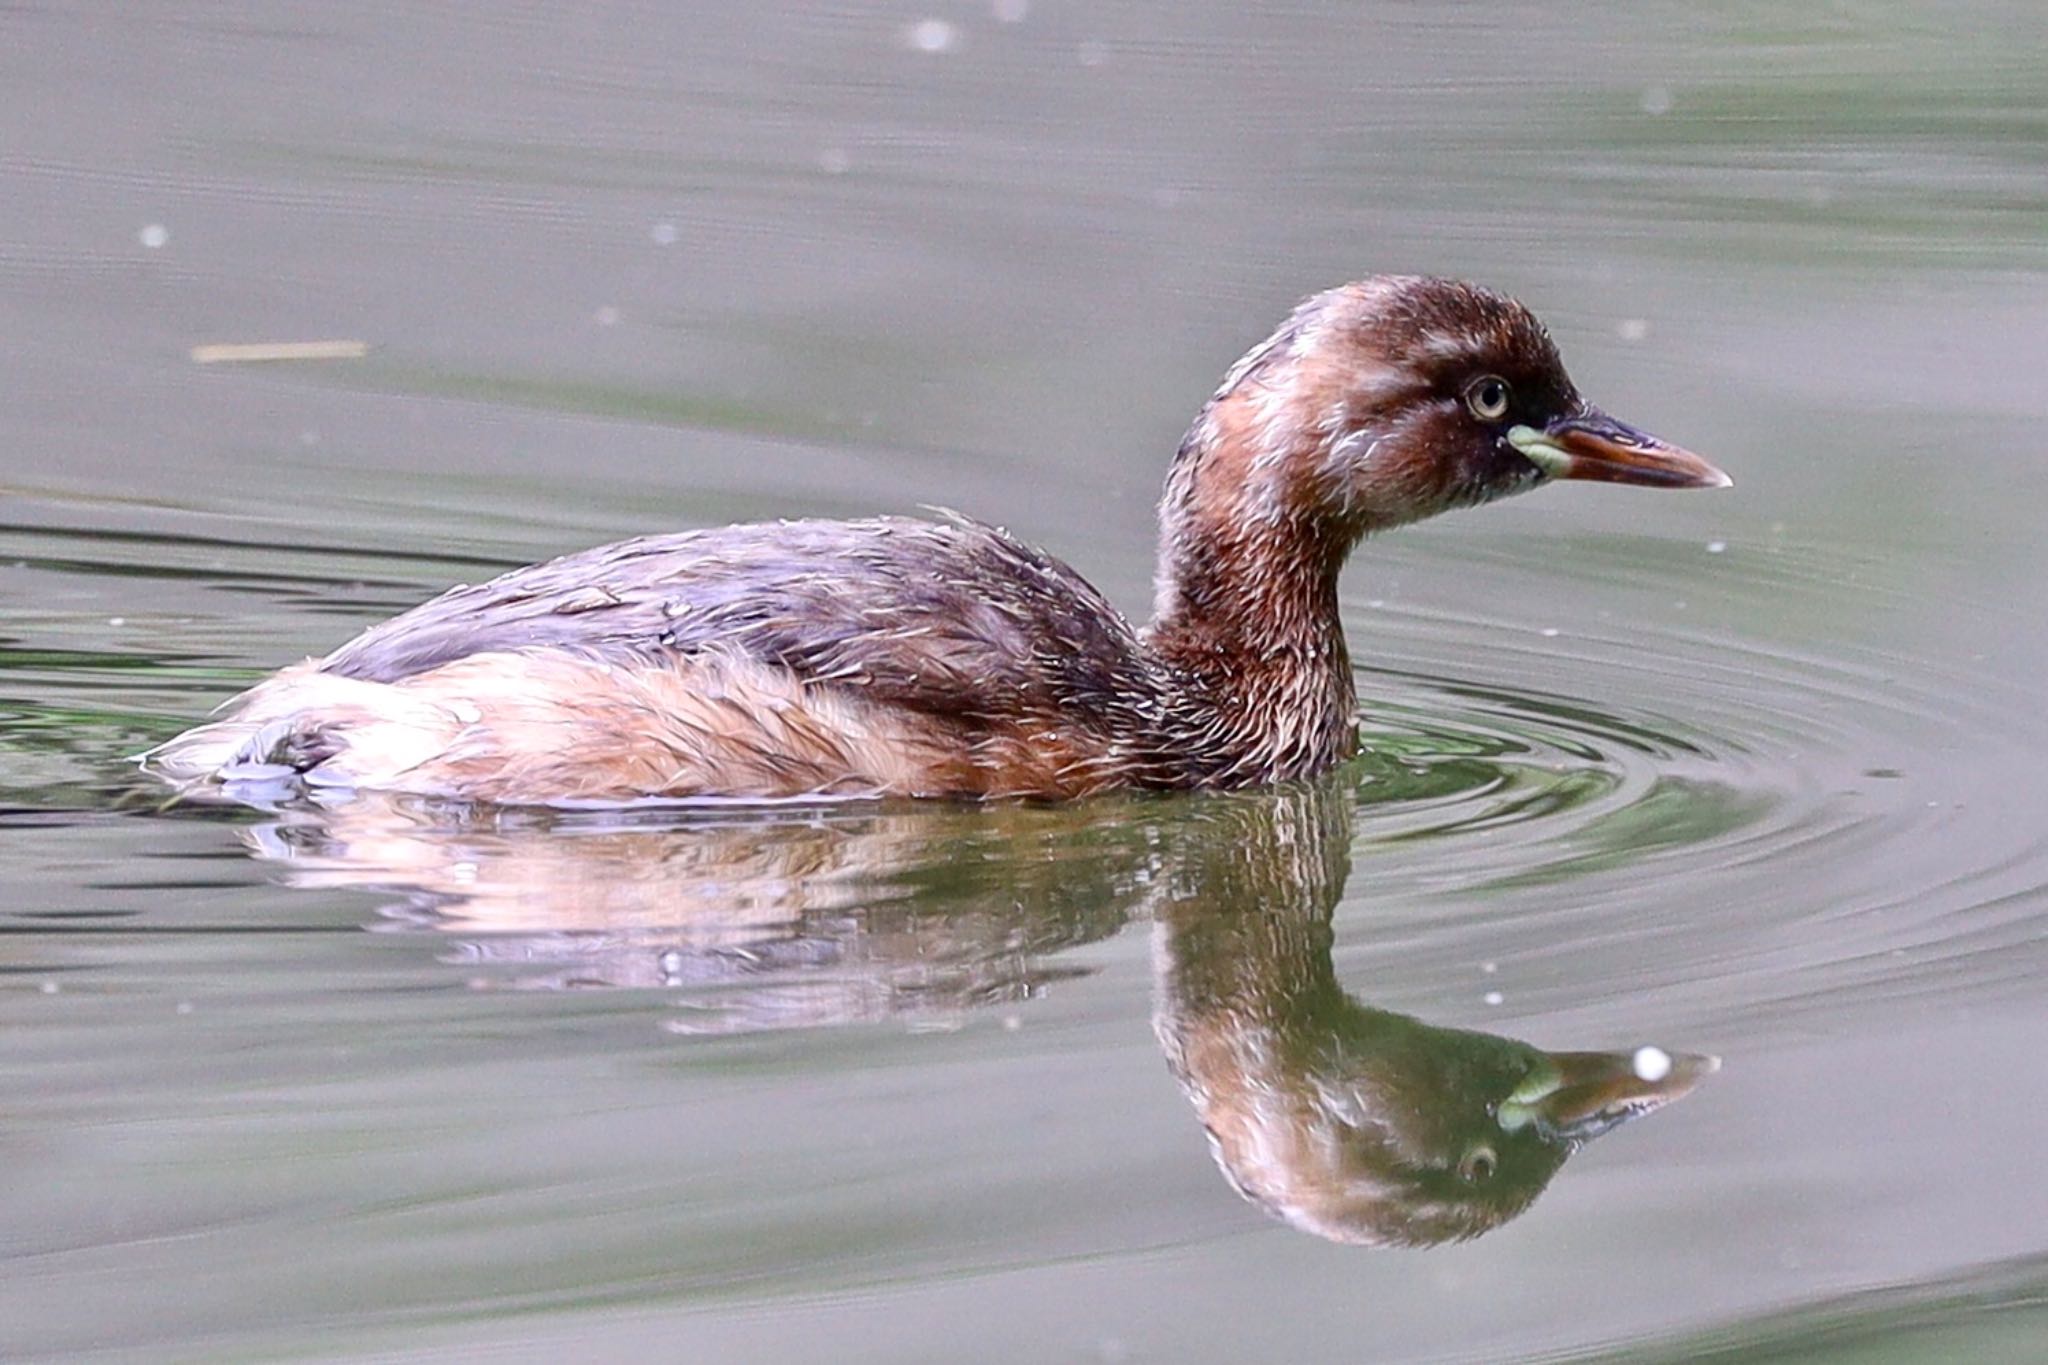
column 1632, row 329
column 1651, row 1064
column 1493, row 997
column 153, row 236
column 263, row 352
column 1717, row 547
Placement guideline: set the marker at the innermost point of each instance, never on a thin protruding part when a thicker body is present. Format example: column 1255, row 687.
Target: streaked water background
column 1758, row 773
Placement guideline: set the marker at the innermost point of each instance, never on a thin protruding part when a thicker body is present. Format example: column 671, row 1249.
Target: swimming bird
column 895, row 656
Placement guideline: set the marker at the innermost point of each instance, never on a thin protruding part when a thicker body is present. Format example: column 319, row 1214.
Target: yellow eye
column 1487, row 399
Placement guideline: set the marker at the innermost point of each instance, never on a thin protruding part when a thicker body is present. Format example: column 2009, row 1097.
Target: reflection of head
column 1357, row 1124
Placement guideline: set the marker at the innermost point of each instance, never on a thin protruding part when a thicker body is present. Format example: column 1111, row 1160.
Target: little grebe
column 903, row 657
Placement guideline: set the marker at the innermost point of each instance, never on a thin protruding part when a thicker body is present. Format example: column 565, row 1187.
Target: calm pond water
column 1756, row 774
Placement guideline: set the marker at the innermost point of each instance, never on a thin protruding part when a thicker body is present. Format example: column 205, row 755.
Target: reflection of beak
column 1592, row 445
column 1576, row 1096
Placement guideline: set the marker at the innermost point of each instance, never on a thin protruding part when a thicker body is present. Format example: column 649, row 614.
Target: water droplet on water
column 1493, row 997
column 1651, row 1064
column 932, row 35
column 1632, row 329
column 153, row 236
column 664, row 234
column 1716, row 547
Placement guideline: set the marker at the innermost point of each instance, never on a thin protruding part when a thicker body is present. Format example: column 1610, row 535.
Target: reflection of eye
column 1487, row 399
column 1477, row 1167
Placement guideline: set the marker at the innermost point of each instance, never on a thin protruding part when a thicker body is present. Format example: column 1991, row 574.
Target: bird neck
column 1246, row 612
column 1285, row 854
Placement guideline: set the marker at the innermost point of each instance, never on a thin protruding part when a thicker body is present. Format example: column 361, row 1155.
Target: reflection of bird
column 1353, row 1123
column 944, row 658
column 756, row 918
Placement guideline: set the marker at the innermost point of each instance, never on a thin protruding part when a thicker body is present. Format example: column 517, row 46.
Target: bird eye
column 1478, row 1166
column 1487, row 399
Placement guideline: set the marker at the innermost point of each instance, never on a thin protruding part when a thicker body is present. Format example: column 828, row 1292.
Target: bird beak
column 1592, row 445
column 1576, row 1096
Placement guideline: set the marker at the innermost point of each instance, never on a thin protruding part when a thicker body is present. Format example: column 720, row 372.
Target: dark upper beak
column 1576, row 1096
column 1592, row 445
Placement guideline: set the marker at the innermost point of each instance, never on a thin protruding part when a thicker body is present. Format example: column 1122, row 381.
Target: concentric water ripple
column 1822, row 796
